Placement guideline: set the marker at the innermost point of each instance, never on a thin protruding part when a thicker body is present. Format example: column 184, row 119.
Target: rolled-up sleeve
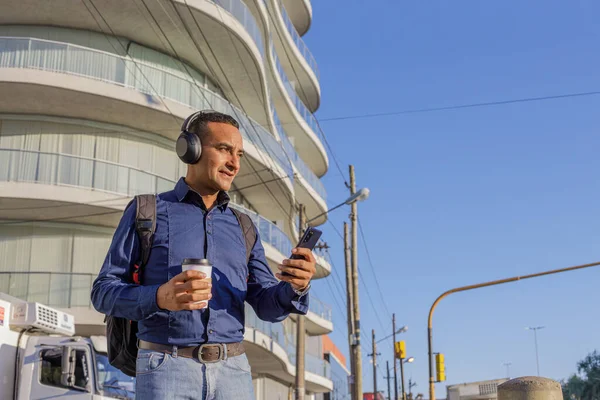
column 271, row 299
column 113, row 292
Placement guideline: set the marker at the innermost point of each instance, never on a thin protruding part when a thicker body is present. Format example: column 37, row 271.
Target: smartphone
column 308, row 241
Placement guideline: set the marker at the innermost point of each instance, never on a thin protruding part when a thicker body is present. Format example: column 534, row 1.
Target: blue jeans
column 164, row 376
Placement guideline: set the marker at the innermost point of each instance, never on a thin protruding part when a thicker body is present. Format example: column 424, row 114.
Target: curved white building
column 93, row 96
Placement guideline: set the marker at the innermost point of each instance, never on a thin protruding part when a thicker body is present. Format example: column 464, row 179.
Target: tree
column 585, row 385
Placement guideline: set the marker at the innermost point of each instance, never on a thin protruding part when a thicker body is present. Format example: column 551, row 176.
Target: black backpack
column 121, row 333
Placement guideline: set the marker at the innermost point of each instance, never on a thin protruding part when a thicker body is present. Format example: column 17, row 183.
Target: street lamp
column 507, row 365
column 401, row 330
column 360, row 195
column 402, row 362
column 537, row 359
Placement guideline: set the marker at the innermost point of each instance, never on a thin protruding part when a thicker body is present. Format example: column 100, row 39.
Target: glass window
column 51, row 368
column 112, row 381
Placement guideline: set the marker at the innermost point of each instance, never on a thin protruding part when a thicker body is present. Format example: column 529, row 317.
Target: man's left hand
column 300, row 271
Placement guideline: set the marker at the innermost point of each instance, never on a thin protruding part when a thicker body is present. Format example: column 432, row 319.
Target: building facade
column 483, row 390
column 93, row 96
column 340, row 374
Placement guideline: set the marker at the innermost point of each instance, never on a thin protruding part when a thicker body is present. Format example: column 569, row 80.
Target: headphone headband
column 190, row 120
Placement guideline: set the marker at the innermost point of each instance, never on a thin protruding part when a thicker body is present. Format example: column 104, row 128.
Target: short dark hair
column 200, row 124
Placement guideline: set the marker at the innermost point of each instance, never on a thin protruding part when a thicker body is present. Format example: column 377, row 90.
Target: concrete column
column 530, row 388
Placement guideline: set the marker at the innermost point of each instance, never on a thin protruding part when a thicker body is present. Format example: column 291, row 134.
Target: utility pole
column 402, row 378
column 374, row 356
column 395, row 369
column 349, row 297
column 300, row 330
column 357, row 357
column 411, row 384
column 388, row 378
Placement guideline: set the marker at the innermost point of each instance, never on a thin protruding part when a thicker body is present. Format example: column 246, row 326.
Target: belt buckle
column 217, row 345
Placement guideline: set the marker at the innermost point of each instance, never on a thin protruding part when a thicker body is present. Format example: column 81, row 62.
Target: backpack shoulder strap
column 247, row 229
column 145, row 225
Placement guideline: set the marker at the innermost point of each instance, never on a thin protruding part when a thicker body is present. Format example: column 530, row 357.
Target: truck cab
column 41, row 359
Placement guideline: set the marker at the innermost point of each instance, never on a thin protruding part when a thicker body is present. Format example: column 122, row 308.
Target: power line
column 226, row 78
column 157, row 94
column 363, row 282
column 337, row 280
column 126, row 52
column 460, row 106
column 362, row 234
column 258, row 95
column 288, row 214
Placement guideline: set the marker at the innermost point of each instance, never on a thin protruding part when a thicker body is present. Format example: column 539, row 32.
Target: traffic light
column 400, row 349
column 440, row 367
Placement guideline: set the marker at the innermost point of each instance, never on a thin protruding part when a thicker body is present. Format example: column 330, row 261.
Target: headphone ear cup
column 188, row 148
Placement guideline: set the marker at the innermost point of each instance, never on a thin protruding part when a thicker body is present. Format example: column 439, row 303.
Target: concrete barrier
column 530, row 388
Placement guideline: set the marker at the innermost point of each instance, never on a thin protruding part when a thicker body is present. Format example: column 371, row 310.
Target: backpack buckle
column 144, row 225
column 136, row 274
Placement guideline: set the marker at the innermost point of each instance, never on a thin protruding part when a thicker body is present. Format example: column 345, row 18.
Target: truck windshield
column 113, row 382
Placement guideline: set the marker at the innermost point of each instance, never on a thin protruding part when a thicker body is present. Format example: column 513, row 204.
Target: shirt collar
column 183, row 190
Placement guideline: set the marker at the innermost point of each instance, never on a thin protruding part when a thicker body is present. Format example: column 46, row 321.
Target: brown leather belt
column 205, row 353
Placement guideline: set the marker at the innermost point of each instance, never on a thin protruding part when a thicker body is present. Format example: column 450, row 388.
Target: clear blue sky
column 471, row 195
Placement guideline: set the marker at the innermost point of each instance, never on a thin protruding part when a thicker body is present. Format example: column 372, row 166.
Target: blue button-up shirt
column 186, row 229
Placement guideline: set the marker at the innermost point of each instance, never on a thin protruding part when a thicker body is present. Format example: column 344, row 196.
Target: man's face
column 222, row 149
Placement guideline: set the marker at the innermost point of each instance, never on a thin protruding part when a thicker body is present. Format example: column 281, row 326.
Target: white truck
column 40, row 358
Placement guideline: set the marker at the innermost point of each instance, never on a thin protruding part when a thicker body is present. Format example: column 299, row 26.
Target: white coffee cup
column 198, row 264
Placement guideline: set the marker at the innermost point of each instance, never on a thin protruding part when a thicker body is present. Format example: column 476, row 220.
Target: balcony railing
column 67, row 170
column 170, row 84
column 68, row 290
column 269, row 232
column 277, row 332
column 304, row 112
column 302, row 47
column 242, row 13
column 300, row 165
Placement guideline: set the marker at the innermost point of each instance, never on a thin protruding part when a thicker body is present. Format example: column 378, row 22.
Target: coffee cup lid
column 196, row 261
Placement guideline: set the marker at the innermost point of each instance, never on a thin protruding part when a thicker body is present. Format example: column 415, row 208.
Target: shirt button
column 208, row 232
column 211, row 331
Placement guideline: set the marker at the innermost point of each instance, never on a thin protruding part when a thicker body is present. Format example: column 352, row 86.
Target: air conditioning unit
column 36, row 315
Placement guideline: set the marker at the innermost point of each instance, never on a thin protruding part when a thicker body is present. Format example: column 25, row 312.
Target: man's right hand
column 183, row 291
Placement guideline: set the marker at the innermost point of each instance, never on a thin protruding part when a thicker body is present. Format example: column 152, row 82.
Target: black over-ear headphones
column 189, row 146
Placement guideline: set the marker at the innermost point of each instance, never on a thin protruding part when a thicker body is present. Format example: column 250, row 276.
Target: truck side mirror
column 67, row 376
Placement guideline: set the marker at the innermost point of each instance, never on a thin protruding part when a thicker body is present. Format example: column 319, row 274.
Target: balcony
column 170, row 84
column 274, row 236
column 295, row 56
column 114, row 184
column 307, row 178
column 279, row 339
column 307, row 133
column 318, row 319
column 65, row 58
column 300, row 12
column 300, row 45
column 226, row 26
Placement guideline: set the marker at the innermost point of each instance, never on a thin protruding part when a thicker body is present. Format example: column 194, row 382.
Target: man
column 194, row 221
